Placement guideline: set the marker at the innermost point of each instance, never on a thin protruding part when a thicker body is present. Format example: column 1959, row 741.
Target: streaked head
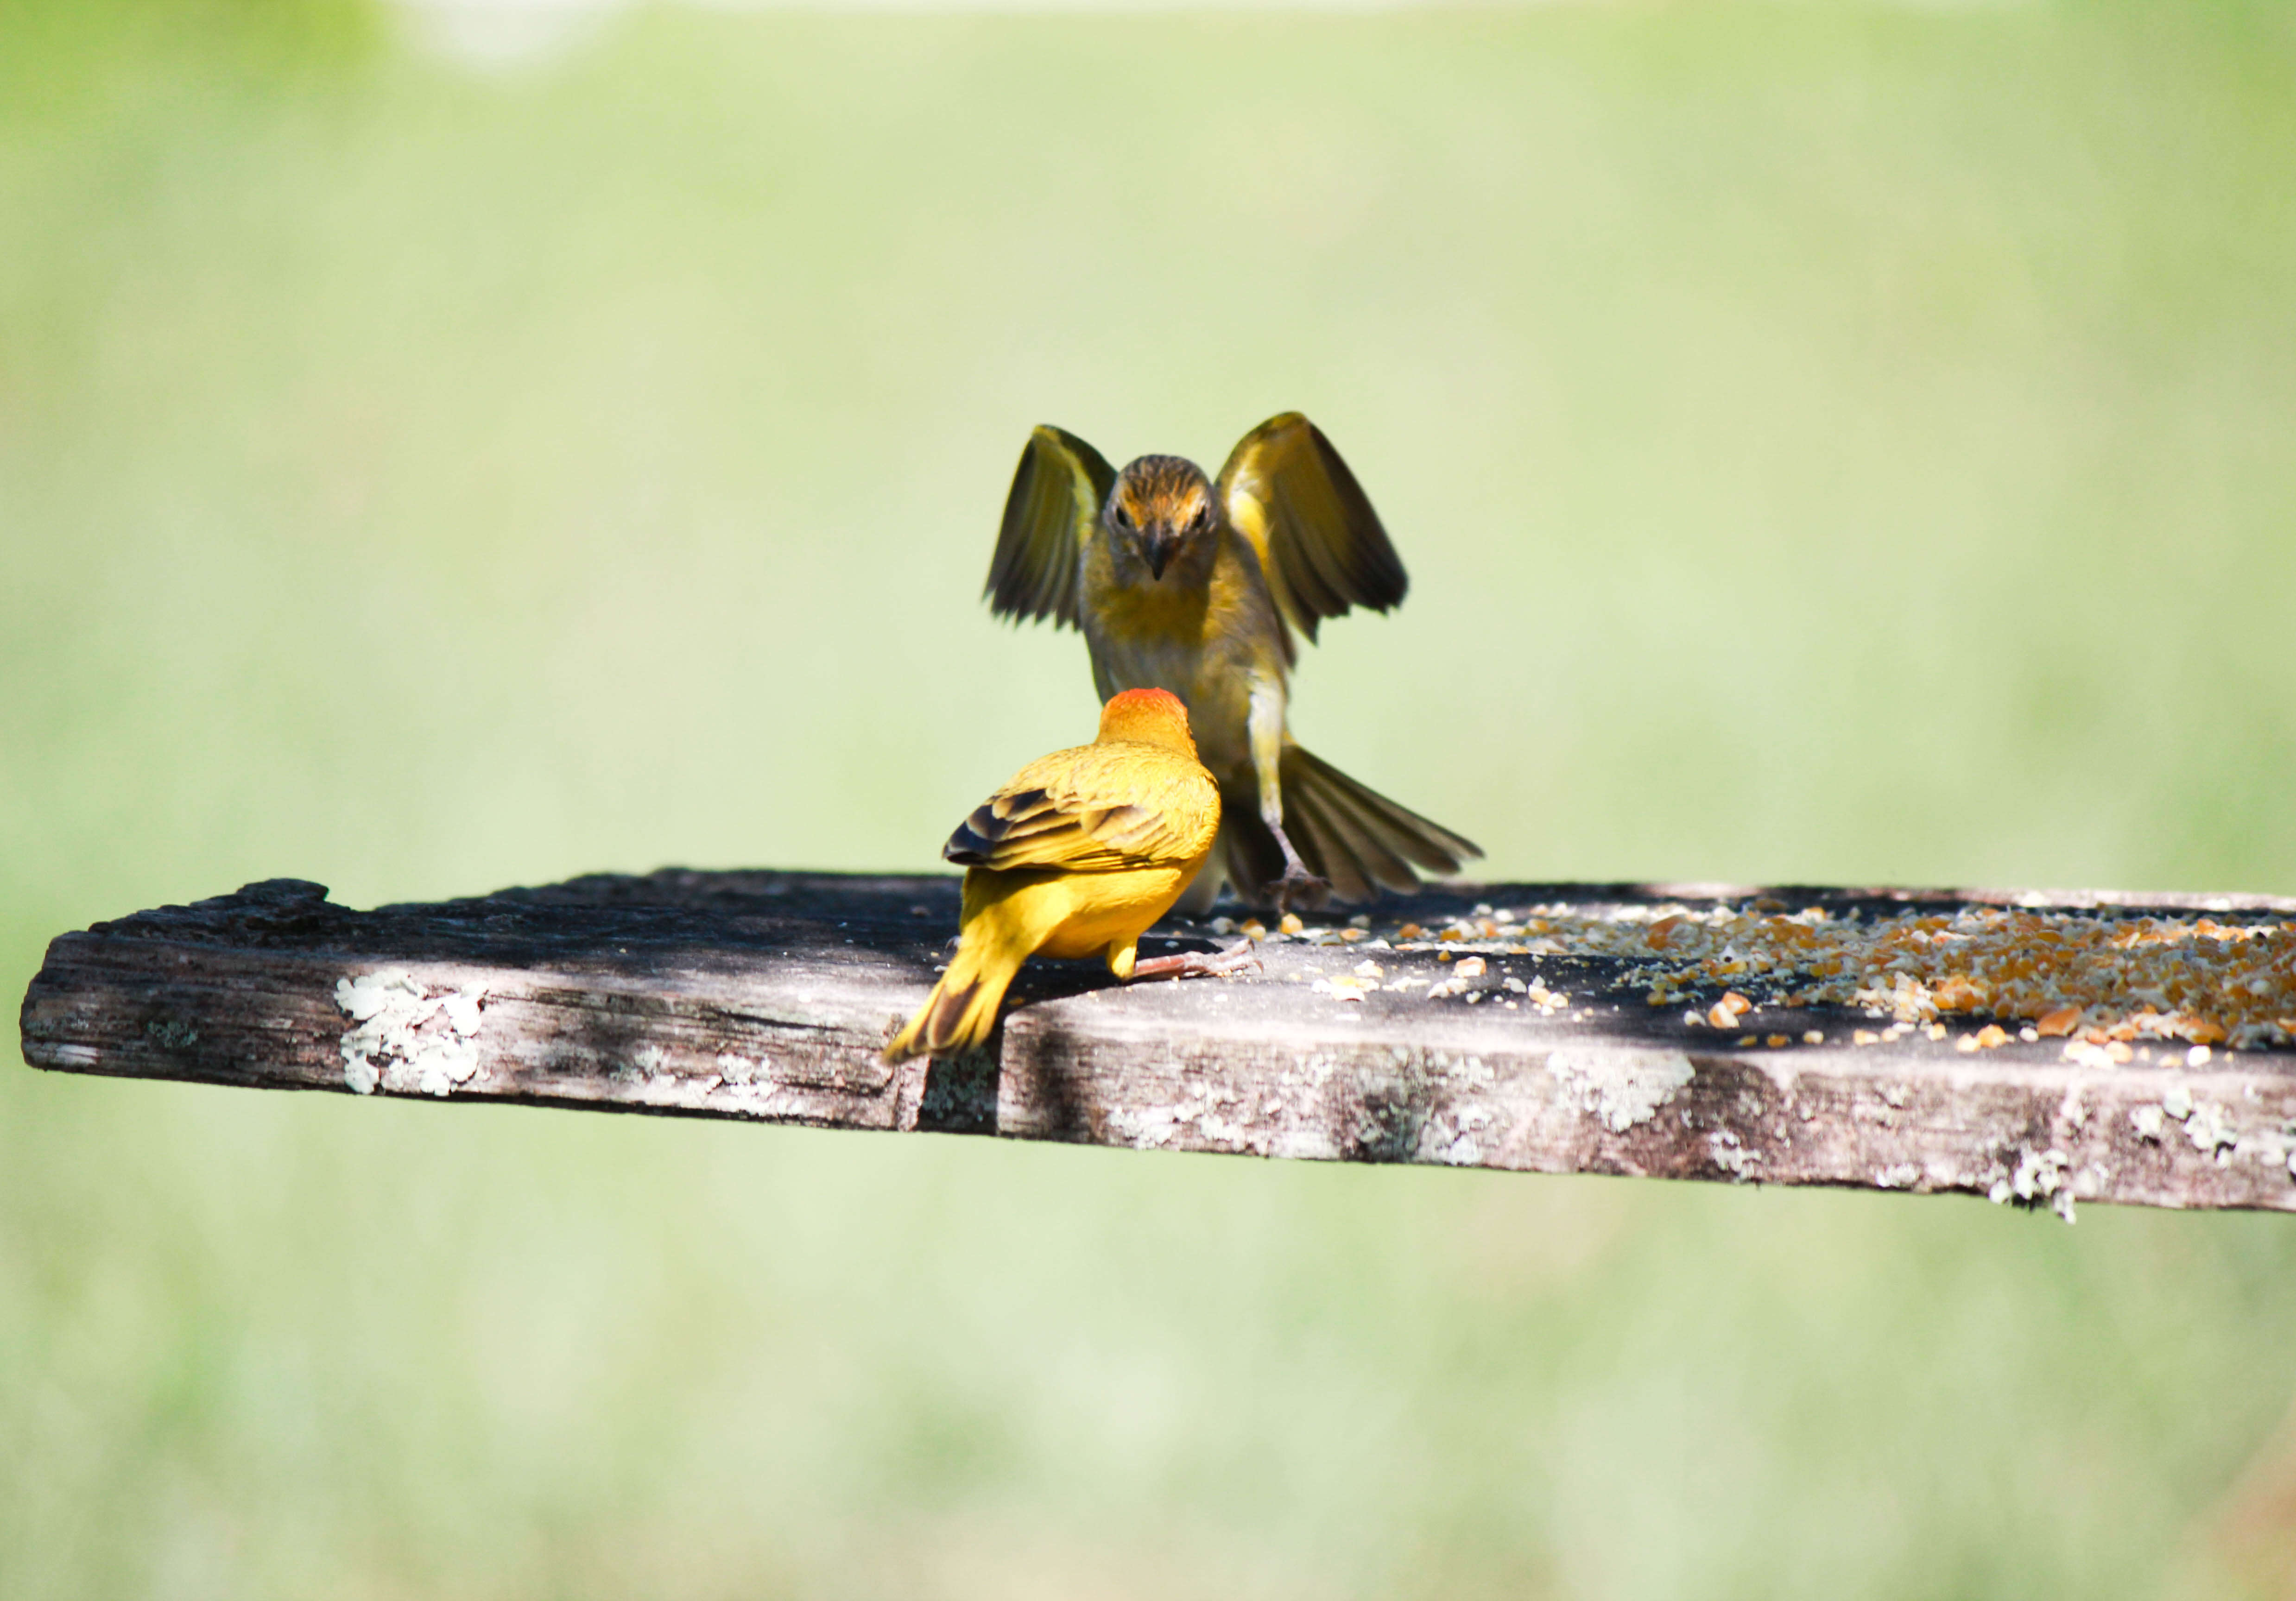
column 1162, row 510
column 1148, row 717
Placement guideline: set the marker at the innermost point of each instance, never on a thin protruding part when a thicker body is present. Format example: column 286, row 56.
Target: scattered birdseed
column 2096, row 978
column 2127, row 978
column 1549, row 1001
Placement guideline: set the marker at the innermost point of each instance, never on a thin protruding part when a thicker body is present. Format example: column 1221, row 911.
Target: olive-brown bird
column 1186, row 583
column 1077, row 856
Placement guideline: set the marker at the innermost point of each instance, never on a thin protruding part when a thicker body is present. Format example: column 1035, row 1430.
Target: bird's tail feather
column 961, row 1012
column 1355, row 838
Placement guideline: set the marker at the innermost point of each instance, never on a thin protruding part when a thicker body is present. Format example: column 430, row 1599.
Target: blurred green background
column 1830, row 443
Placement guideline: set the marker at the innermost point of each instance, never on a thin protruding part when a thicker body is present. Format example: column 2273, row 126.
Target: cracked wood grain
column 767, row 996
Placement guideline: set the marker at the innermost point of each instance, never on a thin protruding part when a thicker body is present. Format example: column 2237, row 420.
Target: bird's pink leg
column 1195, row 964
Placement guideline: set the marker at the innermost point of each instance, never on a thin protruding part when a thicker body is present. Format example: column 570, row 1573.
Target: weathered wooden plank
column 768, row 996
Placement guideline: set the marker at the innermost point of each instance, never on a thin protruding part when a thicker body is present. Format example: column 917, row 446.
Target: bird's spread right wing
column 1057, row 493
column 1098, row 808
column 1320, row 543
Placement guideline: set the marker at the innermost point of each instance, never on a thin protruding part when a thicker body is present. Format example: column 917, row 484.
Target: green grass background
column 1829, row 442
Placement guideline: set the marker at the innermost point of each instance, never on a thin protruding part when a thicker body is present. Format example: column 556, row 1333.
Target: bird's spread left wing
column 1098, row 808
column 1057, row 493
column 1320, row 543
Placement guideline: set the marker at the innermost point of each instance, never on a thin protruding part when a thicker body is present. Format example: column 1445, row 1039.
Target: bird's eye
column 1122, row 518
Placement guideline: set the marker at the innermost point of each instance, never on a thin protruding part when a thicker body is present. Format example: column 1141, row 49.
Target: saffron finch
column 1077, row 855
column 1183, row 582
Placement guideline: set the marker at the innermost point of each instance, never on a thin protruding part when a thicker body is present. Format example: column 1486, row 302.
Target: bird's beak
column 1157, row 545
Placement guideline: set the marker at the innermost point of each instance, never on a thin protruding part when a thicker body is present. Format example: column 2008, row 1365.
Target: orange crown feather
column 1149, row 716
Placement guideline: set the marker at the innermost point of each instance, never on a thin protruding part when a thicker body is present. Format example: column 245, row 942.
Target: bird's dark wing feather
column 1094, row 809
column 1320, row 543
column 1357, row 839
column 1057, row 493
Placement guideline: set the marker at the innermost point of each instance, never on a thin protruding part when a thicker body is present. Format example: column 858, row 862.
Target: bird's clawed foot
column 1298, row 890
column 1195, row 964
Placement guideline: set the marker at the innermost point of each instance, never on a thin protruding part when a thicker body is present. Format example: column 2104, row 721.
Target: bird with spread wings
column 1197, row 585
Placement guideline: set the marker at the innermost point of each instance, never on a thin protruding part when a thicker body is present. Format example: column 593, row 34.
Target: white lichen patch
column 1201, row 1116
column 2214, row 1130
column 733, row 1068
column 2038, row 1176
column 649, row 1071
column 1730, row 1154
column 2211, row 1129
column 409, row 1038
column 750, row 1098
column 1620, row 1087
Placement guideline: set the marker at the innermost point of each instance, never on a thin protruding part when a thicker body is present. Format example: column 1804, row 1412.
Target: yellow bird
column 1077, row 856
column 1181, row 583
